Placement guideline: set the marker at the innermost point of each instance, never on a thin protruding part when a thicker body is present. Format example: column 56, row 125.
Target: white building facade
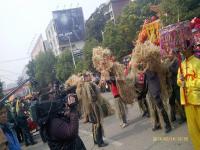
column 51, row 36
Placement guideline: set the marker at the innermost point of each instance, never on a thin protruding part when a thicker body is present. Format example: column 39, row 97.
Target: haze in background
column 21, row 22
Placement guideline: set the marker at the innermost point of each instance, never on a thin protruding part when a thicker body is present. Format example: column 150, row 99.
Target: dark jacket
column 153, row 82
column 63, row 133
column 173, row 68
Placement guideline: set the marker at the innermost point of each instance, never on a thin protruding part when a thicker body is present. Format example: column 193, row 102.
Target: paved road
column 137, row 136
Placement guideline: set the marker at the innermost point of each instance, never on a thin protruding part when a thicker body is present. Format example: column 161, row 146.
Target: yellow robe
column 192, row 80
column 191, row 100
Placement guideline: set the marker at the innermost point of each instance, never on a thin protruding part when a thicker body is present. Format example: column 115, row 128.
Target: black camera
column 72, row 95
column 42, row 110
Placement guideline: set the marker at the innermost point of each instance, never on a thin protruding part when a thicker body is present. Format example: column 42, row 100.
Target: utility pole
column 68, row 36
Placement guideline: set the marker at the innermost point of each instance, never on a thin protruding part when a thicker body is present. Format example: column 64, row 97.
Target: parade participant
column 13, row 143
column 154, row 89
column 120, row 107
column 175, row 94
column 156, row 74
column 23, row 124
column 105, row 62
column 87, row 93
column 189, row 82
column 141, row 90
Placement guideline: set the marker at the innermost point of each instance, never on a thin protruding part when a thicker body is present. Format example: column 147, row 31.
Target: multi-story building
column 115, row 8
column 38, row 47
column 51, row 36
column 66, row 31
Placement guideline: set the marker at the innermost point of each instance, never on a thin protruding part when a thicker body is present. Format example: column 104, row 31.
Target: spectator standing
column 7, row 128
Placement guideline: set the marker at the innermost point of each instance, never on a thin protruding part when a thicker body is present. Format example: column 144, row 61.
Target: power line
column 14, row 60
column 31, row 44
column 7, row 78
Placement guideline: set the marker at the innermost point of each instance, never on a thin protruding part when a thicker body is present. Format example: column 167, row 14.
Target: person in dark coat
column 62, row 132
column 23, row 124
column 141, row 88
column 12, row 119
column 175, row 95
column 154, row 89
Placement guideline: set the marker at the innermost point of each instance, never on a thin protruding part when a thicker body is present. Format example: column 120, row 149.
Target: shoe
column 168, row 126
column 144, row 114
column 148, row 115
column 103, row 145
column 182, row 121
column 156, row 127
column 27, row 144
column 124, row 125
column 168, row 129
column 173, row 119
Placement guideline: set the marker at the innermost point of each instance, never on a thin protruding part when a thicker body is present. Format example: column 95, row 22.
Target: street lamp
column 68, row 36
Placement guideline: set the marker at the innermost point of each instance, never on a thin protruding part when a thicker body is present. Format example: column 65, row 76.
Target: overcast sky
column 22, row 21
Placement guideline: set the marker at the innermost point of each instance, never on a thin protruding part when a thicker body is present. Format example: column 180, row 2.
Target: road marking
column 116, row 143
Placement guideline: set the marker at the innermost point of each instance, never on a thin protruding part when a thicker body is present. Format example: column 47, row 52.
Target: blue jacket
column 13, row 142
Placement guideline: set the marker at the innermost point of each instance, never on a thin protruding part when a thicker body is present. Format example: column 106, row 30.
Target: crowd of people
column 84, row 100
column 15, row 123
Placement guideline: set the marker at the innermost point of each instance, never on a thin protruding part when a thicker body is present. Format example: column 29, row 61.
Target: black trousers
column 97, row 132
column 28, row 138
column 19, row 133
column 157, row 101
column 142, row 102
column 175, row 97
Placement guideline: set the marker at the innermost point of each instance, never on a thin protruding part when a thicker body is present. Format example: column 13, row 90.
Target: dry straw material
column 103, row 61
column 72, row 81
column 149, row 54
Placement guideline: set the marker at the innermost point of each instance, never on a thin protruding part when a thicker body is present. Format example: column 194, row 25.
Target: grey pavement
column 137, row 135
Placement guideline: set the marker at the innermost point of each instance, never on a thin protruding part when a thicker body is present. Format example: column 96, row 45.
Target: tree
column 87, row 50
column 1, row 89
column 179, row 10
column 31, row 68
column 31, row 71
column 80, row 66
column 95, row 24
column 64, row 65
column 113, row 39
column 44, row 66
column 118, row 37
